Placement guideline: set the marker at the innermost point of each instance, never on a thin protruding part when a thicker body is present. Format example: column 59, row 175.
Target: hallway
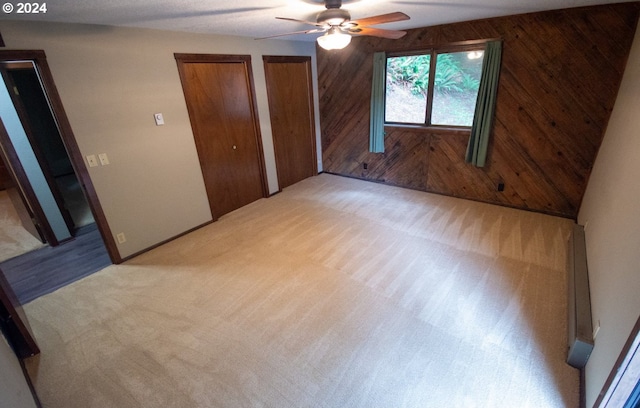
column 44, row 270
column 34, row 268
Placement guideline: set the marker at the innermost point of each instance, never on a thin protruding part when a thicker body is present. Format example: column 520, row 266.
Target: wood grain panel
column 411, row 173
column 290, row 94
column 560, row 75
column 221, row 109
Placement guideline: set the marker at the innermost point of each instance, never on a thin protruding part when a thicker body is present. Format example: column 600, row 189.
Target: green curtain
column 376, row 128
column 485, row 105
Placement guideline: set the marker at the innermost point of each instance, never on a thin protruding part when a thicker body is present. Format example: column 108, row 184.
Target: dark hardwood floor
column 42, row 271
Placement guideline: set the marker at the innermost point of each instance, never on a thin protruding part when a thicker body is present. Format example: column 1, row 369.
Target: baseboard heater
column 580, row 326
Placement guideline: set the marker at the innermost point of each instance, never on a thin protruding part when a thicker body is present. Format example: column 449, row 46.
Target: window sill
column 432, row 129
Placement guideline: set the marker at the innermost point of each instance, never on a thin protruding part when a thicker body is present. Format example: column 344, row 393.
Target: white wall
column 14, row 390
column 610, row 212
column 111, row 81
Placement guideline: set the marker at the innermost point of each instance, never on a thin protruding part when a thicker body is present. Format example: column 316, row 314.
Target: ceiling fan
column 338, row 27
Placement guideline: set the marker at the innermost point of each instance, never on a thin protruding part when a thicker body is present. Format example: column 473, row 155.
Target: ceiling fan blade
column 377, row 32
column 301, row 21
column 381, row 19
column 314, row 30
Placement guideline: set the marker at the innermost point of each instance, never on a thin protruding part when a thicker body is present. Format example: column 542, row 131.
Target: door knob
column 234, row 147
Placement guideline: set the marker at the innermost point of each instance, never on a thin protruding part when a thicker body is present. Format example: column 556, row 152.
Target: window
column 433, row 88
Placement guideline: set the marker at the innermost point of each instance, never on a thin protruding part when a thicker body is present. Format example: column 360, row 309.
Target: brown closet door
column 289, row 89
column 220, row 100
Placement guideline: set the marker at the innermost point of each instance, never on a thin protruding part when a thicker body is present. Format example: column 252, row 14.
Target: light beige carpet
column 14, row 239
column 334, row 293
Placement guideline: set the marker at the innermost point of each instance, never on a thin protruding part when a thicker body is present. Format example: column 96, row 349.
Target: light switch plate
column 91, row 159
column 104, row 160
column 159, row 119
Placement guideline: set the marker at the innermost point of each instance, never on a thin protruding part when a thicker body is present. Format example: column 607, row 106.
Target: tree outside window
column 447, row 99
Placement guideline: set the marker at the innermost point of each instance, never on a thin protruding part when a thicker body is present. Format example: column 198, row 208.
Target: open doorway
column 45, row 174
column 46, row 140
column 40, row 153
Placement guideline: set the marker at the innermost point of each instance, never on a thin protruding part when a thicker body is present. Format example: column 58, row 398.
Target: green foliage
column 470, row 83
column 448, row 75
column 411, row 72
column 453, row 73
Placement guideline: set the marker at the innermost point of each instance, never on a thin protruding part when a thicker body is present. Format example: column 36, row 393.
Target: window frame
column 432, row 51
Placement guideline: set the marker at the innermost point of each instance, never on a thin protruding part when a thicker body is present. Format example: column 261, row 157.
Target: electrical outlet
column 500, row 186
column 365, row 166
column 121, row 238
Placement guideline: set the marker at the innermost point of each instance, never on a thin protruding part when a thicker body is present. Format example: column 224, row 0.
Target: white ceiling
column 256, row 18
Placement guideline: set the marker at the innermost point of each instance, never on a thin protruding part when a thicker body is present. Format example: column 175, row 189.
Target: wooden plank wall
column 560, row 75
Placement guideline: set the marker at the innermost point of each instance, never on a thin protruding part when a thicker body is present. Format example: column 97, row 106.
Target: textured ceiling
column 256, row 18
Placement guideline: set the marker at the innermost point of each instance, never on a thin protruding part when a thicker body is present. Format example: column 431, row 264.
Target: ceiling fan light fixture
column 334, row 39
